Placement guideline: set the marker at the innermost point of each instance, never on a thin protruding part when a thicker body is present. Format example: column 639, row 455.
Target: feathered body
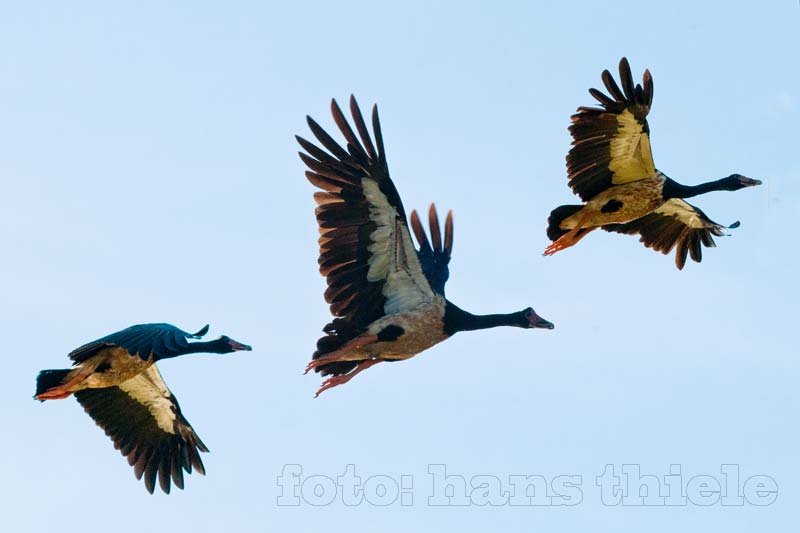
column 423, row 328
column 110, row 367
column 620, row 203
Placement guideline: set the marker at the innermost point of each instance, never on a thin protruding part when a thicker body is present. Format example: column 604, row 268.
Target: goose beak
column 539, row 322
column 748, row 182
column 238, row 346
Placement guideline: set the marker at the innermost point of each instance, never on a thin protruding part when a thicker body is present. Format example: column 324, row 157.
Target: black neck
column 456, row 319
column 215, row 346
column 673, row 189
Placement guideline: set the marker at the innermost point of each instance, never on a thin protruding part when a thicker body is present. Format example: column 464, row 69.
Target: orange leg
column 337, row 355
column 570, row 238
column 52, row 394
column 344, row 378
column 63, row 391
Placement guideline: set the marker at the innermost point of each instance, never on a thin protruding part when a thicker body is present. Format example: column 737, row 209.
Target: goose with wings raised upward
column 386, row 297
column 117, row 383
column 610, row 166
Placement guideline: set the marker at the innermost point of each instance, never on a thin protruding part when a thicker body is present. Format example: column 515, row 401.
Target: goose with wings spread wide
column 610, row 166
column 116, row 381
column 387, row 297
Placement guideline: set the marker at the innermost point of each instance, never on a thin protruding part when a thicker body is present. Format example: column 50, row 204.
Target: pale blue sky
column 149, row 173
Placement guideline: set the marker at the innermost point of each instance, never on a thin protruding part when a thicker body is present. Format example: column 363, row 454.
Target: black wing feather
column 593, row 130
column 158, row 340
column 345, row 226
column 150, row 450
column 434, row 259
column 664, row 230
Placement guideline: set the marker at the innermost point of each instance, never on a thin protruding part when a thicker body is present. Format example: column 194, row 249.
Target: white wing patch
column 686, row 214
column 149, row 389
column 392, row 255
column 631, row 157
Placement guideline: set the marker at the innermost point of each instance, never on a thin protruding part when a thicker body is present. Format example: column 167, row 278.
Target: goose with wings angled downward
column 116, row 381
column 610, row 166
column 387, row 297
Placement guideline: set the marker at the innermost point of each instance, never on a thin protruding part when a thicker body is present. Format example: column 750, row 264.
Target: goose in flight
column 610, row 166
column 387, row 298
column 116, row 381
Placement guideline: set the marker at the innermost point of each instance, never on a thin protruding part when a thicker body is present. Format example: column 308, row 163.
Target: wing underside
column 145, row 422
column 611, row 144
column 677, row 225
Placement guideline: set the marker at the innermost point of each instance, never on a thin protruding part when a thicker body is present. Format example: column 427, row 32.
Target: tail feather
column 47, row 379
column 557, row 216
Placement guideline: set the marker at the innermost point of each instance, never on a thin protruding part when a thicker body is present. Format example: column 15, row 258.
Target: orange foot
column 60, row 392
column 344, row 378
column 53, row 394
column 558, row 245
column 337, row 355
column 568, row 239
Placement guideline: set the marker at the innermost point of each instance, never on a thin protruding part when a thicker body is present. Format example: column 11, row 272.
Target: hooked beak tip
column 239, row 347
column 749, row 182
column 541, row 323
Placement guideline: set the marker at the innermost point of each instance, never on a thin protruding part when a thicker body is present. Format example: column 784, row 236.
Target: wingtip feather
column 419, row 232
column 448, row 233
column 436, row 232
column 626, row 79
column 202, row 332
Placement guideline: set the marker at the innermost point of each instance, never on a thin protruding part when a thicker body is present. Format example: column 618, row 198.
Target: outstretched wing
column 611, row 146
column 143, row 340
column 366, row 251
column 144, row 420
column 675, row 224
column 434, row 259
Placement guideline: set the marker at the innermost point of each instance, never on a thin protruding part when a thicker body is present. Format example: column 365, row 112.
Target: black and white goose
column 386, row 297
column 610, row 166
column 117, row 383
